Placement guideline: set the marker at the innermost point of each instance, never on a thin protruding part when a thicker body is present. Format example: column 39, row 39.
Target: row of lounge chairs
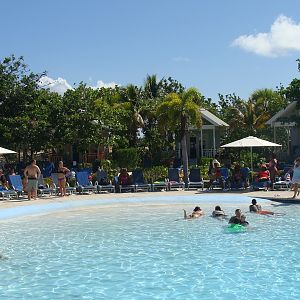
column 173, row 182
column 84, row 185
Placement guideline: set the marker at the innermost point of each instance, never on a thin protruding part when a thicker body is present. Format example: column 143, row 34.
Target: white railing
column 209, row 152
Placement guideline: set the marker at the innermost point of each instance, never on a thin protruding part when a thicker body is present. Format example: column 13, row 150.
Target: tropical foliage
column 146, row 118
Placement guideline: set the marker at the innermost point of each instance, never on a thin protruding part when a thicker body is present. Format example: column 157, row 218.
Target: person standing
column 32, row 174
column 273, row 168
column 61, row 176
column 296, row 177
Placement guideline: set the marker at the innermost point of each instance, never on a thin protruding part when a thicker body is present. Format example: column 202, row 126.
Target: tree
column 267, row 100
column 23, row 111
column 176, row 113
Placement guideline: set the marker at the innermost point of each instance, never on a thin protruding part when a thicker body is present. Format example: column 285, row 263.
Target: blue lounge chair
column 260, row 185
column 224, row 180
column 244, row 180
column 174, row 179
column 7, row 194
column 139, row 181
column 84, row 184
column 101, row 179
column 16, row 183
column 195, row 179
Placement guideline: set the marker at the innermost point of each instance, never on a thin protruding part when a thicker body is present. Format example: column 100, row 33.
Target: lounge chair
column 223, row 180
column 102, row 178
column 84, row 184
column 16, row 183
column 195, row 179
column 127, row 188
column 244, row 180
column 44, row 189
column 174, row 179
column 260, row 185
column 7, row 194
column 159, row 186
column 139, row 181
column 283, row 185
column 69, row 189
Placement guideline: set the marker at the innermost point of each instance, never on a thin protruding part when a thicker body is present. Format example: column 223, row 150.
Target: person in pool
column 197, row 212
column 256, row 208
column 218, row 212
column 236, row 219
column 243, row 221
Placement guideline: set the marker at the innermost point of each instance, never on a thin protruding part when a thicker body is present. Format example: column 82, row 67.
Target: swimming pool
column 138, row 249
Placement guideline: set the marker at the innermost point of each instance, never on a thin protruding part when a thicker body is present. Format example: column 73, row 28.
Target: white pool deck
column 22, row 202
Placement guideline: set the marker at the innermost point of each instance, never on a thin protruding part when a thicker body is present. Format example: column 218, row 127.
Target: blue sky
column 217, row 46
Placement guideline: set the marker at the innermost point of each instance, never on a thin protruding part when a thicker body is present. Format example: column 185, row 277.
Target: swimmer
column 218, row 212
column 237, row 218
column 243, row 221
column 197, row 212
column 2, row 257
column 256, row 208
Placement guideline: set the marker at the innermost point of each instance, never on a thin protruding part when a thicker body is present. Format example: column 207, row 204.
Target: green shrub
column 203, row 161
column 127, row 158
column 157, row 173
column 72, row 182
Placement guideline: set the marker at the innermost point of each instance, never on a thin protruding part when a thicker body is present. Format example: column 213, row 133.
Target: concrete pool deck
column 23, row 202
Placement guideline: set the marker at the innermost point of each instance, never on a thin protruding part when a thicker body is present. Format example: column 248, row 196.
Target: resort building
column 287, row 118
column 204, row 142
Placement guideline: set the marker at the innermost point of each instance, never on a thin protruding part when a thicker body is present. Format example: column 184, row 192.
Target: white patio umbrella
column 6, row 151
column 250, row 142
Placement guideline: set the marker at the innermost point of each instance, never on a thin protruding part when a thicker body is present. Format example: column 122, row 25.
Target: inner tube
column 235, row 228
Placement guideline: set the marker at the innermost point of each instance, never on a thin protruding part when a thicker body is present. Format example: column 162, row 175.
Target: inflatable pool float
column 235, row 228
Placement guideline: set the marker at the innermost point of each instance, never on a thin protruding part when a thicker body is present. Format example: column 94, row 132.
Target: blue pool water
column 140, row 250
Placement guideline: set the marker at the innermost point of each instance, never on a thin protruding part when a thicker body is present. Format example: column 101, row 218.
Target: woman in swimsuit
column 61, row 175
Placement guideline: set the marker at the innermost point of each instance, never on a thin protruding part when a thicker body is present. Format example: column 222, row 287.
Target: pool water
column 148, row 251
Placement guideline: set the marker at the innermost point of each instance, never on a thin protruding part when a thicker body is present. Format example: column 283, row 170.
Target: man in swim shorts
column 32, row 174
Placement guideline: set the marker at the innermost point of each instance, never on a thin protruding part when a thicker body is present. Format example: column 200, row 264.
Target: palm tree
column 177, row 112
column 152, row 87
column 267, row 100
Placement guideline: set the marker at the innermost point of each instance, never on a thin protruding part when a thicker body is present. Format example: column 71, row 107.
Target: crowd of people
column 268, row 174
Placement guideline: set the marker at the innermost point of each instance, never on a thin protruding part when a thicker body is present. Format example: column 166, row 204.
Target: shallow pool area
column 143, row 249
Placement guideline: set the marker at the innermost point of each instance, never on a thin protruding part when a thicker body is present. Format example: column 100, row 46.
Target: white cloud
column 283, row 38
column 61, row 85
column 101, row 84
column 58, row 85
column 181, row 59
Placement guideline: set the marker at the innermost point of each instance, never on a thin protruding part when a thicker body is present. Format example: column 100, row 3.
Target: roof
column 212, row 118
column 282, row 113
